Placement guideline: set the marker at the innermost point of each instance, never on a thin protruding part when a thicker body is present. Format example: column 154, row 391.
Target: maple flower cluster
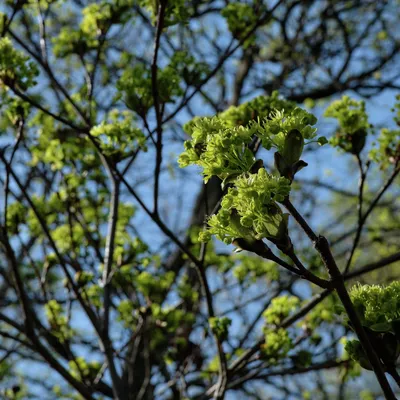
column 378, row 308
column 223, row 146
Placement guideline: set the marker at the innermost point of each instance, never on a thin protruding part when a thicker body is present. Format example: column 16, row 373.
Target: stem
column 261, row 249
column 107, row 273
column 154, row 86
column 306, row 274
column 109, row 253
column 361, row 221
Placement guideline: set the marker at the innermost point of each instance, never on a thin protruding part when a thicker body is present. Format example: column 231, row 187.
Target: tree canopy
column 198, row 199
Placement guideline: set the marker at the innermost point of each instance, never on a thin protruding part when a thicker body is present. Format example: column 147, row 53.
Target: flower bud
column 358, row 141
column 293, row 147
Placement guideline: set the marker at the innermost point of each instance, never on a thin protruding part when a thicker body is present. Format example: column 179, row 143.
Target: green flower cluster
column 388, row 150
column 353, row 124
column 135, row 86
column 119, row 134
column 66, row 237
column 221, row 144
column 58, row 321
column 275, row 130
column 220, row 325
column 58, row 152
column 164, row 322
column 82, row 278
column 222, row 147
column 323, row 312
column 378, row 308
column 127, row 313
column 251, row 268
column 59, row 146
column 249, row 210
column 281, row 307
column 219, row 149
column 177, row 11
column 43, row 4
column 97, row 20
column 15, row 68
column 98, row 17
column 255, row 109
column 71, row 41
column 287, row 132
column 152, row 287
column 13, row 110
column 83, row 370
column 241, row 18
column 277, row 344
column 16, row 214
column 93, row 294
column 186, row 65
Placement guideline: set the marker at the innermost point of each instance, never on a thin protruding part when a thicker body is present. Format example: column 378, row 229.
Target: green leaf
column 381, row 327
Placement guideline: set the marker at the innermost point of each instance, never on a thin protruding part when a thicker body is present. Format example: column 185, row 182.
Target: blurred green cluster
column 353, row 124
column 378, row 308
column 16, row 70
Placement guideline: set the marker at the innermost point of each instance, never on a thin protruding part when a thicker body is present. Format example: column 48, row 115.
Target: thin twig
column 373, row 266
column 156, row 99
column 304, row 273
column 38, row 106
column 147, row 366
column 362, row 219
column 109, row 252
